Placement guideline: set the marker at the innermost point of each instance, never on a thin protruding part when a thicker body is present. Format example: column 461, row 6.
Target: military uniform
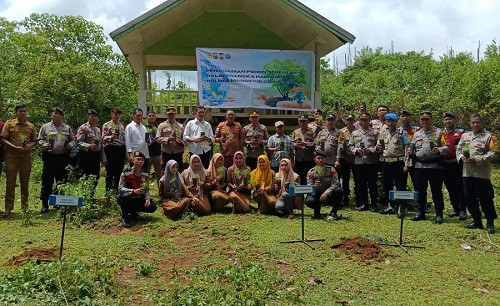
column 329, row 183
column 254, row 151
column 304, row 155
column 113, row 140
column 89, row 160
column 327, row 141
column 428, row 168
column 346, row 160
column 365, row 167
column 483, row 148
column 171, row 149
column 452, row 172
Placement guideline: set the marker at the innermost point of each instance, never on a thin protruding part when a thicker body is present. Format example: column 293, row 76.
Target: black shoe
column 345, row 202
column 373, row 208
column 316, row 216
column 363, row 207
column 333, row 217
column 125, row 223
column 439, row 219
column 418, row 217
column 474, row 225
column 387, row 211
column 45, row 209
column 462, row 215
column 490, row 227
column 134, row 216
column 453, row 214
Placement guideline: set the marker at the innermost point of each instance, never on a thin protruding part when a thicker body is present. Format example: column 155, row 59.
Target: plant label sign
column 60, row 200
column 302, row 189
column 403, row 195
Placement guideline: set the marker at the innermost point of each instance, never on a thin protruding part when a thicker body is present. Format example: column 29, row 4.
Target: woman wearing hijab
column 215, row 183
column 195, row 177
column 238, row 177
column 286, row 202
column 176, row 198
column 263, row 181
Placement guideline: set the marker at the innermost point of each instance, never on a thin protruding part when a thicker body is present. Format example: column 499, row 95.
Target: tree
column 285, row 75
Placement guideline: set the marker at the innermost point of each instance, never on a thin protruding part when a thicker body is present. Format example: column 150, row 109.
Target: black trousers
column 131, row 206
column 478, row 190
column 433, row 177
column 205, row 159
column 115, row 160
column 393, row 175
column 366, row 179
column 90, row 163
column 165, row 157
column 251, row 162
column 452, row 179
column 346, row 169
column 301, row 168
column 54, row 167
column 334, row 199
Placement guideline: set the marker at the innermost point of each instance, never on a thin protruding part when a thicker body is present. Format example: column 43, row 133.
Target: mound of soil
column 38, row 254
column 366, row 250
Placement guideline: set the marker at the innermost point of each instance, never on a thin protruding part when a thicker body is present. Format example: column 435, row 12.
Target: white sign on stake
column 60, row 200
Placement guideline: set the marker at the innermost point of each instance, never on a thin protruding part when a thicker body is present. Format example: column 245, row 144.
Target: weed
column 144, row 268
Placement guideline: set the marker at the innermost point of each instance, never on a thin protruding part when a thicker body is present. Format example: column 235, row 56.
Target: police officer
column 56, row 140
column 303, row 145
column 113, row 140
column 363, row 145
column 256, row 136
column 392, row 144
column 327, row 140
column 89, row 141
column 452, row 170
column 319, row 123
column 476, row 150
column 428, row 146
column 345, row 158
column 379, row 124
column 405, row 117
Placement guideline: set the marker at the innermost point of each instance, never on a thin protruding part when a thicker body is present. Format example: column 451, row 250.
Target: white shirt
column 135, row 138
column 193, row 130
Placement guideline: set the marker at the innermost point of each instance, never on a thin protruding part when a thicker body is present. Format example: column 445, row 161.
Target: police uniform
column 171, row 149
column 428, row 167
column 304, row 155
column 483, row 148
column 251, row 132
column 346, row 160
column 327, row 141
column 113, row 140
column 378, row 126
column 86, row 136
column 410, row 131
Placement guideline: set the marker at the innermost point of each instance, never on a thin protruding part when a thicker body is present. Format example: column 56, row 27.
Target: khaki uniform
column 166, row 130
column 329, row 184
column 259, row 132
column 19, row 134
column 327, row 141
column 366, row 139
column 304, row 156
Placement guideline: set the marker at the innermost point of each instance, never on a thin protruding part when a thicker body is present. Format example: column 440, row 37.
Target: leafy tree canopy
column 285, row 75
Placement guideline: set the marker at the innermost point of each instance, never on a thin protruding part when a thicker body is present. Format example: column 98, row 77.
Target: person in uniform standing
column 476, row 150
column 410, row 129
column 345, row 158
column 379, row 125
column 113, row 140
column 363, row 145
column 135, row 137
column 154, row 147
column 303, row 144
column 452, row 170
column 327, row 140
column 56, row 140
column 18, row 136
column 428, row 146
column 230, row 136
column 169, row 134
column 198, row 133
column 319, row 123
column 279, row 146
column 256, row 137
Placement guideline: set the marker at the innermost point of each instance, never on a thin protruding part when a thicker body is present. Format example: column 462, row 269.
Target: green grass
column 239, row 260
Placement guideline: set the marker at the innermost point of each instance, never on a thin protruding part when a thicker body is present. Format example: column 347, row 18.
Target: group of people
column 251, row 163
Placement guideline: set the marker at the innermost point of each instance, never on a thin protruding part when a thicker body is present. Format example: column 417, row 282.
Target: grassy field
column 239, row 260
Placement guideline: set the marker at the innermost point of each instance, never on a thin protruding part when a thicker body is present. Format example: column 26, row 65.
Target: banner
column 240, row 78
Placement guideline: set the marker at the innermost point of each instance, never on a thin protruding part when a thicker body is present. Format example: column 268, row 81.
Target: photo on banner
column 247, row 78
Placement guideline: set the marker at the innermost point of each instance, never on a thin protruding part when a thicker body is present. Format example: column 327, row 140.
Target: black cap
column 364, row 116
column 317, row 110
column 303, row 118
column 58, row 110
column 92, row 111
column 139, row 154
column 330, row 116
column 449, row 115
column 320, row 153
column 349, row 116
column 425, row 115
column 116, row 110
column 405, row 112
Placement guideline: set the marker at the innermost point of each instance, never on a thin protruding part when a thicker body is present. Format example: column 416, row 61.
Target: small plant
column 255, row 134
column 24, row 139
column 320, row 170
column 27, row 216
column 144, row 183
column 466, row 149
column 144, row 268
column 196, row 179
column 282, row 143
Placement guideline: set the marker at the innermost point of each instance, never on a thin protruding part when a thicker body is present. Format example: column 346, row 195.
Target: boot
column 439, row 218
column 475, row 224
column 490, row 226
column 387, row 211
column 453, row 214
column 363, row 207
column 462, row 215
column 45, row 208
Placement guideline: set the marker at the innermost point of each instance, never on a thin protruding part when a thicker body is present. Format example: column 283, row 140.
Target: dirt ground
column 363, row 249
column 38, row 254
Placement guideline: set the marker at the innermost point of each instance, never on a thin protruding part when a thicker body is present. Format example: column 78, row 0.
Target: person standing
column 113, row 140
column 410, row 129
column 452, row 170
column 362, row 144
column 88, row 139
column 1, row 149
column 154, row 147
column 345, row 158
column 56, row 140
column 169, row 134
column 428, row 146
column 256, row 137
column 18, row 136
column 135, row 137
column 303, row 144
column 379, row 125
column 198, row 133
column 327, row 140
column 279, row 146
column 476, row 150
column 319, row 123
column 230, row 136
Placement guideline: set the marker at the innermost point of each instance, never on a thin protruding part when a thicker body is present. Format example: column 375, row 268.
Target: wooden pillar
column 142, row 67
column 317, row 73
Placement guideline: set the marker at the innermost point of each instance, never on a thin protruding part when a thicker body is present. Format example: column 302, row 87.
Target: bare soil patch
column 364, row 249
column 38, row 254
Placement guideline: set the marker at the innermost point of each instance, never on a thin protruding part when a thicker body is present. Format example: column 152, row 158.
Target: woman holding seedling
column 216, row 184
column 195, row 178
column 176, row 198
column 284, row 179
column 238, row 178
column 262, row 180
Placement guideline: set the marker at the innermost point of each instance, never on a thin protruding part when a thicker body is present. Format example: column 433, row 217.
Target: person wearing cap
column 256, row 136
column 230, row 135
column 303, row 145
column 319, row 123
column 328, row 190
column 452, row 170
column 361, row 110
column 198, row 133
column 89, row 141
column 379, row 124
column 428, row 146
column 393, row 145
column 18, row 136
column 135, row 137
column 113, row 141
column 345, row 158
column 410, row 129
column 279, row 146
column 133, row 191
column 56, row 140
column 327, row 140
column 362, row 144
column 476, row 150
column 154, row 147
column 169, row 134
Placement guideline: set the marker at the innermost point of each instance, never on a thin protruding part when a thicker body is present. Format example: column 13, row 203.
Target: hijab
column 190, row 173
column 168, row 182
column 262, row 178
column 243, row 166
column 291, row 177
column 212, row 168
